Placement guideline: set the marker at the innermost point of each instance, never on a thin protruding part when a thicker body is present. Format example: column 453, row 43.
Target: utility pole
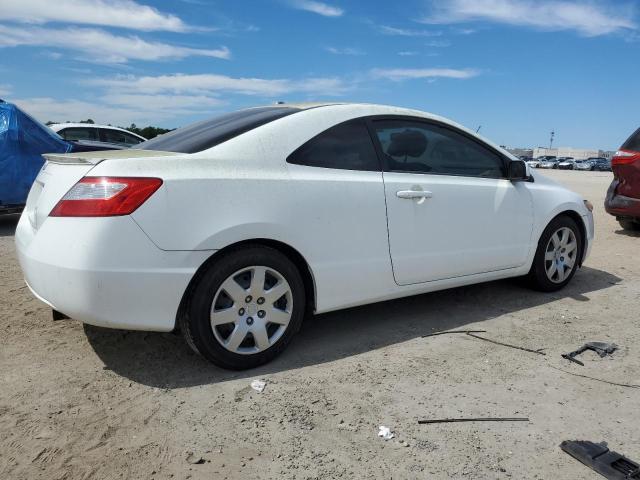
column 553, row 134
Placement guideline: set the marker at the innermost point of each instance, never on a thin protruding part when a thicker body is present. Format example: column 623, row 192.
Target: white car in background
column 232, row 229
column 91, row 133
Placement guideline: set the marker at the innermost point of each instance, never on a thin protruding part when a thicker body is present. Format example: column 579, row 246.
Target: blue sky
column 519, row 68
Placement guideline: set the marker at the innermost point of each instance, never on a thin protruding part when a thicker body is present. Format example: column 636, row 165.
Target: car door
column 451, row 212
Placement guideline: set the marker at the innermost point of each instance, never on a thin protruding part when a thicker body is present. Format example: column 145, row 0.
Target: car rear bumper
column 105, row 271
column 619, row 205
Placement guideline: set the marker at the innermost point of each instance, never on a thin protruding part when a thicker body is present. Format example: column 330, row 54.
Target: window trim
column 370, row 120
column 361, row 120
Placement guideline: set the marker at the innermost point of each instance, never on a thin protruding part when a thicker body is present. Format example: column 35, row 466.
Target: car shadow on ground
column 8, row 224
column 628, row 233
column 165, row 361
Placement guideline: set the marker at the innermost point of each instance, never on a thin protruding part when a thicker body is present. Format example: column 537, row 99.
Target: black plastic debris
column 601, row 348
column 599, row 458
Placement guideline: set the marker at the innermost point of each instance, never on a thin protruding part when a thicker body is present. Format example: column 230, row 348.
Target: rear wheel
column 245, row 309
column 557, row 256
column 631, row 225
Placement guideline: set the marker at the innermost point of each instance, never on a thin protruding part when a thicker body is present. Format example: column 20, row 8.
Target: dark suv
column 623, row 196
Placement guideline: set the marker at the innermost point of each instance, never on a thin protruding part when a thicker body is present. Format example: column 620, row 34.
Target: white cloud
column 398, row 74
column 179, row 103
column 113, row 13
column 438, row 43
column 404, row 32
column 407, row 53
column 100, row 46
column 320, row 8
column 152, row 100
column 344, row 51
column 120, row 110
column 212, row 84
column 5, row 90
column 589, row 18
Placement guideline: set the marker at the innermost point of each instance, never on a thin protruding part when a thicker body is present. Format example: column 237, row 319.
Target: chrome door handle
column 413, row 194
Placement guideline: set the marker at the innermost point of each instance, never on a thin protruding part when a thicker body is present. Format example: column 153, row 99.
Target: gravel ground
column 83, row 402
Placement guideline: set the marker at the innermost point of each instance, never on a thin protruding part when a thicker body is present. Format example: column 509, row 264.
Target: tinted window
column 78, row 133
column 346, row 146
column 633, row 143
column 116, row 136
column 209, row 133
column 427, row 148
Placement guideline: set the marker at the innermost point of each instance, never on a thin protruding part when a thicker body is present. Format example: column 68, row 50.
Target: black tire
column 195, row 323
column 630, row 225
column 537, row 277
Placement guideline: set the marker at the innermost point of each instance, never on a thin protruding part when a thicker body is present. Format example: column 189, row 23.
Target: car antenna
column 478, row 129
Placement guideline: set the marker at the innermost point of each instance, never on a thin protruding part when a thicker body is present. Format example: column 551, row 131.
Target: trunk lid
column 60, row 172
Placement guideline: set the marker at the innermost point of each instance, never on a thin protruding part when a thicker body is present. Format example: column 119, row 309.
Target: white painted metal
column 131, row 272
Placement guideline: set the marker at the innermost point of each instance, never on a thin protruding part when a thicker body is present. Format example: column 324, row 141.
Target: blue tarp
column 23, row 140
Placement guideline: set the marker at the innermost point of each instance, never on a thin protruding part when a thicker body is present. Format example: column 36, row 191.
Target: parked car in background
column 584, row 165
column 23, row 140
column 548, row 161
column 623, row 196
column 533, row 163
column 231, row 229
column 566, row 163
column 92, row 134
column 601, row 165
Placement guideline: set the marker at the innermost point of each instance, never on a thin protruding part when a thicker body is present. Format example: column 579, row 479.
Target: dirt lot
column 83, row 402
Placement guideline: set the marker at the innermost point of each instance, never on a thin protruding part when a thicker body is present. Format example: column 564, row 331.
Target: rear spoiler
column 95, row 157
column 71, row 159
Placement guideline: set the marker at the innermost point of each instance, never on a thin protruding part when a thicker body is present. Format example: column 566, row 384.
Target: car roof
column 56, row 127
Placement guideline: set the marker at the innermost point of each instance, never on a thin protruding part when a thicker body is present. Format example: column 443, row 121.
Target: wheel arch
column 294, row 255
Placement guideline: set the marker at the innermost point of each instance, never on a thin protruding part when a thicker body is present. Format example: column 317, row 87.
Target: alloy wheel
column 251, row 310
column 561, row 255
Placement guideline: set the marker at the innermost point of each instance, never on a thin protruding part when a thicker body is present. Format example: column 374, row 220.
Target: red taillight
column 105, row 196
column 624, row 157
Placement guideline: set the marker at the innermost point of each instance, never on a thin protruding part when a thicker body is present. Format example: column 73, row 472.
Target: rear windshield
column 633, row 143
column 209, row 133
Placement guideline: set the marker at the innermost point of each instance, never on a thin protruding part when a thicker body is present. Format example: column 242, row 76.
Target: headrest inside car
column 410, row 143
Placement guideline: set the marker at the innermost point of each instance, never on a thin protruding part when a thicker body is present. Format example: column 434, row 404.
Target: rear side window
column 633, row 143
column 346, row 146
column 209, row 133
column 116, row 136
column 79, row 133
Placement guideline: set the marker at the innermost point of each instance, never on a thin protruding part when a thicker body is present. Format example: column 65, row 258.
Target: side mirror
column 517, row 170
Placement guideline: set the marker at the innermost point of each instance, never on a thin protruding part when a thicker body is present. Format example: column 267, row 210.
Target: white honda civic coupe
column 234, row 228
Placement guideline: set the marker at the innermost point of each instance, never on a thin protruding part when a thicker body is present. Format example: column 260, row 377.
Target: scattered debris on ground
column 601, row 348
column 194, row 459
column 258, row 385
column 455, row 331
column 598, row 457
column 481, row 419
column 617, row 384
column 472, row 333
column 386, row 433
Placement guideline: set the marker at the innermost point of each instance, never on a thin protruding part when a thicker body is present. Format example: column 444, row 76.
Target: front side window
column 78, row 133
column 346, row 146
column 420, row 147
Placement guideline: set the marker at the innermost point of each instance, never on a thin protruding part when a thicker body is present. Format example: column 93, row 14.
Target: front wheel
column 245, row 309
column 557, row 255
